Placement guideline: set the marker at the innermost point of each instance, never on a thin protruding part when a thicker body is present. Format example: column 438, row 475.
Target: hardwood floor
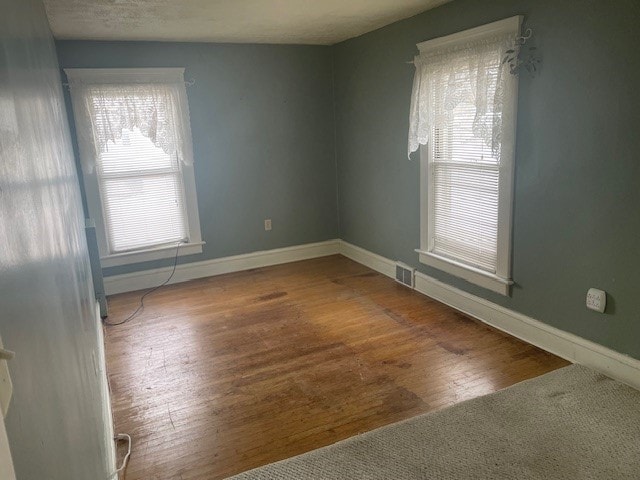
column 228, row 373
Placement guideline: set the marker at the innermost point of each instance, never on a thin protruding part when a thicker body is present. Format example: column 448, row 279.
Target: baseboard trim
column 571, row 347
column 369, row 259
column 107, row 415
column 129, row 282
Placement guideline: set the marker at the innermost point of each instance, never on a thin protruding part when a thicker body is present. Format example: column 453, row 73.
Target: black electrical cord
column 148, row 292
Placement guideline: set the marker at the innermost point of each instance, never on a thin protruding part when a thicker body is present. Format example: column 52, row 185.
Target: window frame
column 501, row 281
column 92, row 187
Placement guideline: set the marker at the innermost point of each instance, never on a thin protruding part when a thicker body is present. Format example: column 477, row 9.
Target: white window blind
column 463, row 114
column 142, row 194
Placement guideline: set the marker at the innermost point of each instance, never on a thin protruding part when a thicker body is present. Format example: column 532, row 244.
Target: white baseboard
column 107, row 415
column 563, row 344
column 365, row 257
column 129, row 282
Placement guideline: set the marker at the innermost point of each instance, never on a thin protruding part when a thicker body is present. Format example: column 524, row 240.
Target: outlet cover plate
column 596, row 300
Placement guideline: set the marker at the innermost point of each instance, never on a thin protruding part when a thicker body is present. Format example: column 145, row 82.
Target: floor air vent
column 404, row 274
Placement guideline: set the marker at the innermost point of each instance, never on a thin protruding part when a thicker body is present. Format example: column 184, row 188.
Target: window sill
column 473, row 275
column 150, row 254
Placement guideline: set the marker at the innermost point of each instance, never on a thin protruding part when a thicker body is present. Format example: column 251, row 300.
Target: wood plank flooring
column 227, row 373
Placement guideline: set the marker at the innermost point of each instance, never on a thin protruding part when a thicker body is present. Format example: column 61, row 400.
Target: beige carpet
column 571, row 424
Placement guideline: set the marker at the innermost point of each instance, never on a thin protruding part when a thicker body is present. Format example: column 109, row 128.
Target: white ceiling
column 321, row 22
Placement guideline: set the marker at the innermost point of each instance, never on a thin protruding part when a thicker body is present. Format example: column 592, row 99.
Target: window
column 135, row 146
column 463, row 120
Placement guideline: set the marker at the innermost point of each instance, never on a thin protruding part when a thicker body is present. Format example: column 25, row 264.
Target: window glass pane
column 465, row 207
column 143, row 211
column 134, row 153
column 459, row 135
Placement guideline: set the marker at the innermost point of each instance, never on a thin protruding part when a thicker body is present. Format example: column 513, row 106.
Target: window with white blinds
column 135, row 146
column 464, row 181
column 463, row 113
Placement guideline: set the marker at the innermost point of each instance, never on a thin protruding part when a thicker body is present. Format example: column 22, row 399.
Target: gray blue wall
column 262, row 126
column 263, row 129
column 577, row 189
column 55, row 421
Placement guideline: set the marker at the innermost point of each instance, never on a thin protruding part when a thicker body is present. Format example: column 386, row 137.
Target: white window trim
column 94, row 204
column 501, row 281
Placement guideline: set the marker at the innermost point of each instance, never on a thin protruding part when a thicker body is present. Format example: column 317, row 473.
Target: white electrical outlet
column 267, row 224
column 596, row 300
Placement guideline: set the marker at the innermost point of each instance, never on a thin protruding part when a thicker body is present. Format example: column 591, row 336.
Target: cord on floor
column 125, row 460
column 148, row 292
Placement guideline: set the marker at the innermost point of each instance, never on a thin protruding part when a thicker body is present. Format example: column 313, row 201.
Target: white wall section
column 55, row 423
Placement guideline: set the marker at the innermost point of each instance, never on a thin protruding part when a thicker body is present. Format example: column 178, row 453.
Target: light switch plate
column 6, row 387
column 596, row 300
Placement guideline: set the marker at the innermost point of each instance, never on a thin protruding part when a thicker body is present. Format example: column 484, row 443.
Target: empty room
column 294, row 239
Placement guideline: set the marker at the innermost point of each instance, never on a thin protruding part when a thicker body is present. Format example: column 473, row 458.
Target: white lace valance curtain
column 470, row 74
column 108, row 101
